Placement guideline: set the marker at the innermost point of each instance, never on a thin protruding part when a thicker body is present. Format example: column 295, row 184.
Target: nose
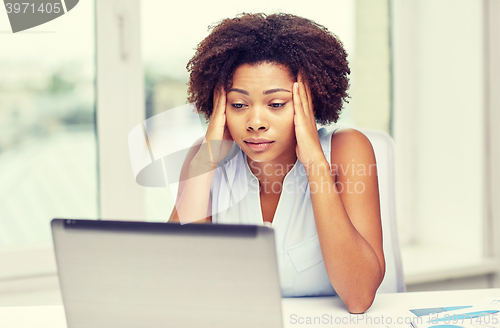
column 257, row 120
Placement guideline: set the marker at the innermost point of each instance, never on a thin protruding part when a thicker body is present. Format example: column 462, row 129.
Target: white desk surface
column 387, row 305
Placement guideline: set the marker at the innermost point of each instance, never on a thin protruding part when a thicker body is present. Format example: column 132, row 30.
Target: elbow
column 360, row 304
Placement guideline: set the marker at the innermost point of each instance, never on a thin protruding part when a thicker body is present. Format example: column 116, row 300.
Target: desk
column 384, row 305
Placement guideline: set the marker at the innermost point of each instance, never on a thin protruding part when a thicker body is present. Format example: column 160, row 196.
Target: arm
column 348, row 223
column 187, row 184
column 193, row 202
column 347, row 213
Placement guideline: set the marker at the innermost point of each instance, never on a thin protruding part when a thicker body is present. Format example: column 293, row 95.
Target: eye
column 277, row 105
column 238, row 106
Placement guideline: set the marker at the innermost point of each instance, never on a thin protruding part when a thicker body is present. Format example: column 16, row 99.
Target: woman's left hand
column 308, row 147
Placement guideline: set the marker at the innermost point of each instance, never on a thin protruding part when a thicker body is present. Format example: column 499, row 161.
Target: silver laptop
column 142, row 274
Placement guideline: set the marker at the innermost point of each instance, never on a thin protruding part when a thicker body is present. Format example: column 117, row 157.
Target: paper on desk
column 483, row 314
column 428, row 311
column 406, row 318
column 489, row 302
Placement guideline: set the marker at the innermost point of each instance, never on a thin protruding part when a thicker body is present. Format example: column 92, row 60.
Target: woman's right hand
column 218, row 140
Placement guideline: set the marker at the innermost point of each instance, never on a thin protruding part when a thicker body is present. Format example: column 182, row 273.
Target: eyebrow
column 275, row 90
column 265, row 92
column 239, row 90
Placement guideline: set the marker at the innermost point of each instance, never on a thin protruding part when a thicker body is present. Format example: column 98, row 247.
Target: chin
column 258, row 159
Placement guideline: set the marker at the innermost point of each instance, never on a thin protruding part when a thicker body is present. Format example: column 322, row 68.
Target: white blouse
column 236, row 200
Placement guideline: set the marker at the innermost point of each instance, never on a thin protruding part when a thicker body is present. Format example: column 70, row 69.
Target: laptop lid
column 144, row 274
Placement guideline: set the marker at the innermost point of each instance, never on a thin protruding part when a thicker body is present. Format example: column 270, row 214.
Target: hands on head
column 308, row 144
column 218, row 140
column 218, row 121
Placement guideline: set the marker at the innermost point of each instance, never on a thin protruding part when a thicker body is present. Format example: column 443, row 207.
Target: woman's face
column 259, row 112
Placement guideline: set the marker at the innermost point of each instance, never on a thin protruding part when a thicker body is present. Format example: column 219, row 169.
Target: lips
column 258, row 144
column 257, row 141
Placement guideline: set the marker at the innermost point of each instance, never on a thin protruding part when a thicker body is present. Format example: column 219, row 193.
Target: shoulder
column 346, row 138
column 350, row 146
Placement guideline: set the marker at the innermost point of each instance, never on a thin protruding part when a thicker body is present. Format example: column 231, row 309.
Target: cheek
column 232, row 123
column 287, row 129
column 291, row 131
column 288, row 125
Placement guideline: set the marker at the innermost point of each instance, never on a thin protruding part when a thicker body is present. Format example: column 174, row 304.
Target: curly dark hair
column 298, row 43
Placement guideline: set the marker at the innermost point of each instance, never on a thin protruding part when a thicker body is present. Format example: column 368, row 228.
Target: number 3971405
column 27, row 7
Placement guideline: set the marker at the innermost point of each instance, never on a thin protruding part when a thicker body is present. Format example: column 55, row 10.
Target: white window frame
column 120, row 107
column 491, row 13
column 405, row 136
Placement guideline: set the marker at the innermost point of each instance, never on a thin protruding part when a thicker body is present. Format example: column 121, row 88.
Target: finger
column 221, row 112
column 217, row 126
column 300, row 80
column 297, row 103
column 223, row 107
column 310, row 103
column 306, row 95
column 298, row 93
column 219, row 108
column 222, row 100
column 303, row 97
column 309, row 96
column 306, row 87
column 220, row 95
column 216, row 99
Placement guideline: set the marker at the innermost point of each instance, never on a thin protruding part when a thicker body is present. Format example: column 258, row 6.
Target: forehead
column 262, row 73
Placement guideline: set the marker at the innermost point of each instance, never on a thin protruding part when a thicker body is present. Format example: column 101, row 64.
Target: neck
column 273, row 171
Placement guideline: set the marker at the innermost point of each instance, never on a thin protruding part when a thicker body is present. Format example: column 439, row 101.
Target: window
column 438, row 86
column 48, row 151
column 47, row 127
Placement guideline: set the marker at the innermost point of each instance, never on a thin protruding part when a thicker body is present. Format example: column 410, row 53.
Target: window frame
column 406, row 135
column 119, row 107
column 491, row 246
